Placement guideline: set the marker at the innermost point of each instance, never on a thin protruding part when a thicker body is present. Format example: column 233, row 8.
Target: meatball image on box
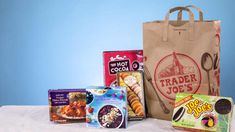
column 67, row 105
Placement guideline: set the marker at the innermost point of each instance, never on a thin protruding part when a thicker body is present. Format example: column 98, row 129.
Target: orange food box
column 67, row 105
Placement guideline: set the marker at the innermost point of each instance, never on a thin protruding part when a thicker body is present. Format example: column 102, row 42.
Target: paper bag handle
column 179, row 16
column 166, row 22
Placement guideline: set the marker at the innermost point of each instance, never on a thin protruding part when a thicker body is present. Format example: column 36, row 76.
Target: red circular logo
column 177, row 73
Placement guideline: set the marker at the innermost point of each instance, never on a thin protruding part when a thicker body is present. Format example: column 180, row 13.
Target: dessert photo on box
column 106, row 107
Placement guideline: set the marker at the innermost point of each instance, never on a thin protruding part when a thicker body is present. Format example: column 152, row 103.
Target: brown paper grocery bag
column 180, row 56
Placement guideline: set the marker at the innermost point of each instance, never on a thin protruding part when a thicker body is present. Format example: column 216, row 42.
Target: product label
column 197, row 107
column 177, row 73
column 118, row 66
column 59, row 98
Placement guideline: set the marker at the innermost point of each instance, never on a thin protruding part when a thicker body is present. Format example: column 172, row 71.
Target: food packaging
column 67, row 105
column 106, row 107
column 197, row 112
column 133, row 82
column 117, row 61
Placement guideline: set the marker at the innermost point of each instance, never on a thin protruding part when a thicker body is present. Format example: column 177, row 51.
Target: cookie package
column 67, row 105
column 133, row 81
column 106, row 107
column 117, row 61
column 202, row 112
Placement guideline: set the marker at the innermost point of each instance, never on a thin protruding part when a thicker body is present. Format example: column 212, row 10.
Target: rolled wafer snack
column 130, row 111
column 135, row 102
column 123, row 74
column 133, row 82
column 137, row 89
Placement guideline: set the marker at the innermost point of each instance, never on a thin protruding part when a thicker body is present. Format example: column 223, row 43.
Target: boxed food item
column 106, row 107
column 133, row 82
column 202, row 113
column 117, row 61
column 67, row 105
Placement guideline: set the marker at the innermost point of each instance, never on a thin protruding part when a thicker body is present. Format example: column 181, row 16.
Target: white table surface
column 36, row 119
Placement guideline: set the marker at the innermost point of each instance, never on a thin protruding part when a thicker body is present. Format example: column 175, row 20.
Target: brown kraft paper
column 180, row 56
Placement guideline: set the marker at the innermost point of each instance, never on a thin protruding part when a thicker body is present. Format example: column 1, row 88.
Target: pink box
column 117, row 61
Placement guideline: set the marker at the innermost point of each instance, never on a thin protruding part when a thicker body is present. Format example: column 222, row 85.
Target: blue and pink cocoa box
column 106, row 107
column 67, row 105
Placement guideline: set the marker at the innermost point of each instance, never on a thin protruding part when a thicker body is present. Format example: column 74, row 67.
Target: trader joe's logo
column 177, row 73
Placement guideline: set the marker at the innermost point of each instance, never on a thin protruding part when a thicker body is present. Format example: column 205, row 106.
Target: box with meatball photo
column 67, row 105
column 106, row 107
column 133, row 82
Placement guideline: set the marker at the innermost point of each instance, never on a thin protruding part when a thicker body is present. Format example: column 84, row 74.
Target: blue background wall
column 48, row 44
